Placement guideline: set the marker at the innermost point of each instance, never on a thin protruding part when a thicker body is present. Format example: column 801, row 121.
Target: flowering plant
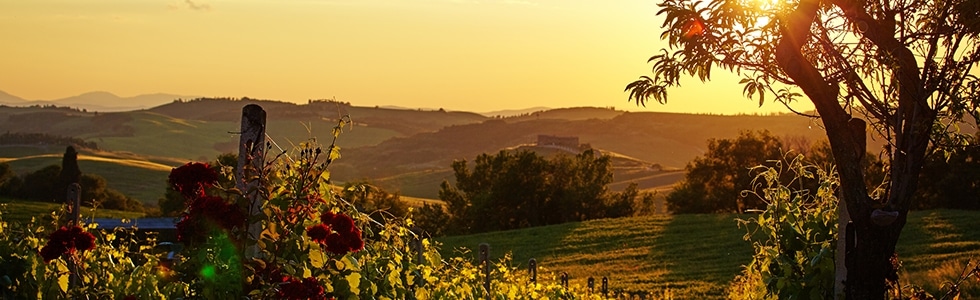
column 312, row 244
column 67, row 241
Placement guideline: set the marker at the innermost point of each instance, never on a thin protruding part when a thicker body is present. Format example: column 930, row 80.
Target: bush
column 794, row 238
column 521, row 189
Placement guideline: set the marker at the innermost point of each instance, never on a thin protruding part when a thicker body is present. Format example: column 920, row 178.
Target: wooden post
column 251, row 156
column 605, row 285
column 533, row 268
column 485, row 261
column 591, row 285
column 74, row 203
column 74, row 199
column 564, row 279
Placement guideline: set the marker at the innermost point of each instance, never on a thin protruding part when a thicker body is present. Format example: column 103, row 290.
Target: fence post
column 591, row 285
column 251, row 155
column 485, row 261
column 605, row 285
column 564, row 279
column 416, row 244
column 74, row 204
column 533, row 268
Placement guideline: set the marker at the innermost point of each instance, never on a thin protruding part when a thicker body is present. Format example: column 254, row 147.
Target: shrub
column 794, row 237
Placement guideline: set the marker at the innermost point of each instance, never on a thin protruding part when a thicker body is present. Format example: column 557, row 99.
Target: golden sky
column 459, row 55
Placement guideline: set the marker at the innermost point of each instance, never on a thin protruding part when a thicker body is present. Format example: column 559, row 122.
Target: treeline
column 512, row 190
column 43, row 185
column 715, row 182
column 21, row 138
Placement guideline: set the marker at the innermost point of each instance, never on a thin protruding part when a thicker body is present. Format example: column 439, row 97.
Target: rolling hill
column 404, row 150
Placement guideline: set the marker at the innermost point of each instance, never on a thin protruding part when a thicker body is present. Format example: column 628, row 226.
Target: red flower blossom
column 191, row 179
column 65, row 240
column 337, row 244
column 327, row 217
column 318, row 232
column 343, row 224
column 354, row 241
column 308, row 288
column 346, row 237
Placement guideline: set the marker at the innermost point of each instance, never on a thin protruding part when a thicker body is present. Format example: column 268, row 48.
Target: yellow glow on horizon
column 453, row 54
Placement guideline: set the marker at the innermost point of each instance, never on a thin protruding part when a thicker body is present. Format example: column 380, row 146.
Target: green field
column 695, row 256
column 142, row 180
column 15, row 211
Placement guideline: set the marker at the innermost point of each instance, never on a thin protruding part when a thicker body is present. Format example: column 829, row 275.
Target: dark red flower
column 337, row 244
column 327, row 217
column 342, row 224
column 318, row 232
column 191, row 179
column 354, row 241
column 308, row 288
column 65, row 240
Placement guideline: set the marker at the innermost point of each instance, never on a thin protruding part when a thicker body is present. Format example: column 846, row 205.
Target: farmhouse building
column 560, row 141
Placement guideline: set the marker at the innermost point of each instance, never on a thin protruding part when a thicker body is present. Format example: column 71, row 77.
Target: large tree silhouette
column 902, row 67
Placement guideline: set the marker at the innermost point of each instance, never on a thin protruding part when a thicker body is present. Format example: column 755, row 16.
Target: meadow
column 21, row 212
column 696, row 256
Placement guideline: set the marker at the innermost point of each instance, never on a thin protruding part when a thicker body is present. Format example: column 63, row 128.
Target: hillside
column 695, row 256
column 405, row 150
column 134, row 176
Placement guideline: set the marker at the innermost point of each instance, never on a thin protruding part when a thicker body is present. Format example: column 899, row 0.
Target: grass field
column 695, row 256
column 22, row 211
column 142, row 180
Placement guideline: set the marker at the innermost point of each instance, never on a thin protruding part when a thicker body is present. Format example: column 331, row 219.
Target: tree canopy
column 520, row 189
column 904, row 68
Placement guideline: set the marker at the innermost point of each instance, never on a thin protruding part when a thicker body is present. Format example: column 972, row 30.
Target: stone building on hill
column 567, row 143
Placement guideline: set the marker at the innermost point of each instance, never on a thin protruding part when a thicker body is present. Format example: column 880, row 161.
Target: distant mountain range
column 98, row 101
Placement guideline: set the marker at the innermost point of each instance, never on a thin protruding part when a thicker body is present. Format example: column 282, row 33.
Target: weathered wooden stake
column 564, row 279
column 485, row 261
column 251, row 155
column 532, row 266
column 591, row 285
column 74, row 204
column 605, row 285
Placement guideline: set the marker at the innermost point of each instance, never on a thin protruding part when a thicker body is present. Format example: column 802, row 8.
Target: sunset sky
column 459, row 55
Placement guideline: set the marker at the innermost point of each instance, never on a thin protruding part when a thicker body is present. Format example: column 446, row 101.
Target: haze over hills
column 403, row 149
column 98, row 101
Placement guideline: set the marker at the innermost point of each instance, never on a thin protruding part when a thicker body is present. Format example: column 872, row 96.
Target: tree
column 521, row 189
column 951, row 181
column 70, row 173
column 8, row 180
column 41, row 185
column 901, row 66
column 714, row 182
